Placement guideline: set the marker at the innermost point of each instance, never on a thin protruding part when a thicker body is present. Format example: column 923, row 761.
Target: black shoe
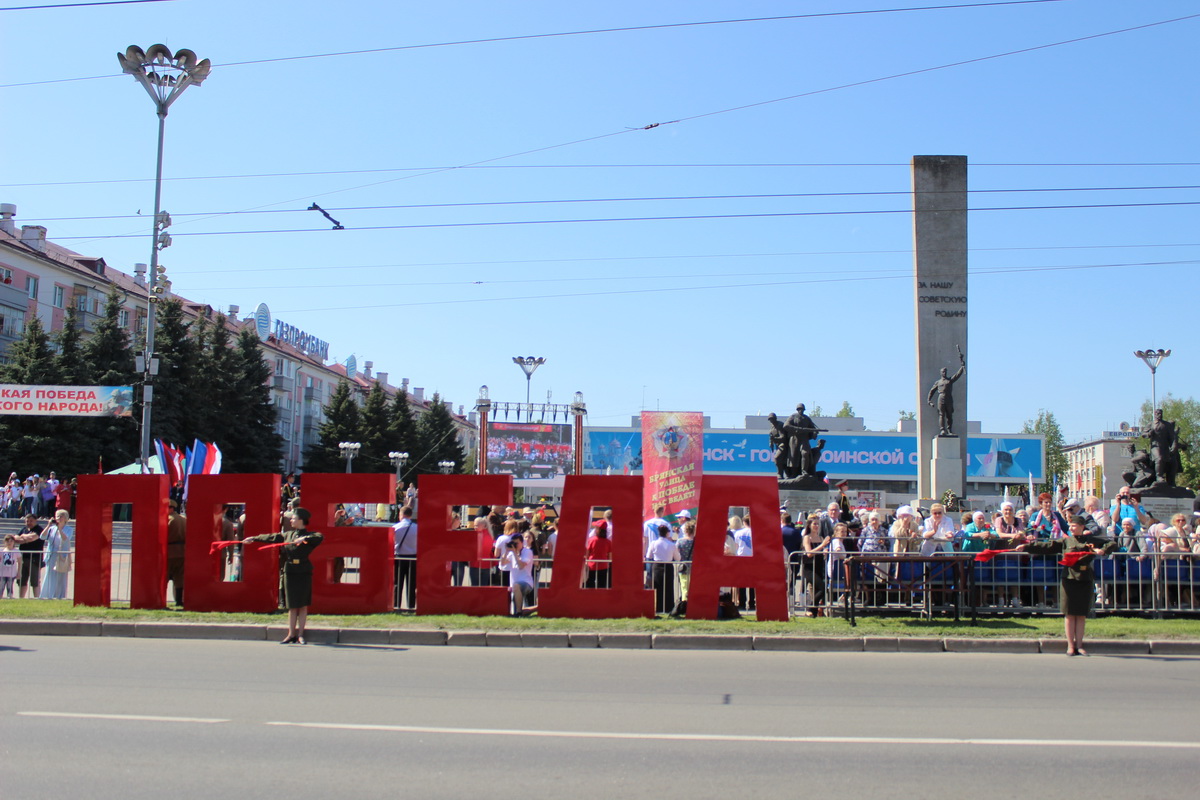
column 289, row 640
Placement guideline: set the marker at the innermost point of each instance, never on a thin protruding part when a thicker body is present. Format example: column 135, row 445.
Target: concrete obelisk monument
column 940, row 293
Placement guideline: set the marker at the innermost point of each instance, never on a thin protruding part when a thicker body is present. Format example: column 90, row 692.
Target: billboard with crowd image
column 529, row 449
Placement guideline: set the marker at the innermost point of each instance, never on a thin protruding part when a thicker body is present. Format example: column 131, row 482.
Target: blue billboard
column 881, row 456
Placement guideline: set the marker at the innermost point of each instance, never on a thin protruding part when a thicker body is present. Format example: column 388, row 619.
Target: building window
column 123, row 318
column 279, row 366
column 5, row 275
column 31, row 286
column 60, row 296
column 81, row 303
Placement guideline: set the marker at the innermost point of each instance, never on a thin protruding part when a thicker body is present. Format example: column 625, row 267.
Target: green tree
column 1056, row 461
column 438, row 438
column 117, row 439
column 255, row 445
column 217, row 371
column 906, row 415
column 74, row 454
column 402, row 432
column 343, row 423
column 1186, row 416
column 376, row 429
column 846, row 410
column 29, row 442
column 177, row 386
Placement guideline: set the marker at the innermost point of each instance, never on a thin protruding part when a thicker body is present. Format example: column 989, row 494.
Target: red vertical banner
column 370, row 544
column 93, row 536
column 438, row 544
column 258, row 590
column 764, row 570
column 672, row 460
column 628, row 596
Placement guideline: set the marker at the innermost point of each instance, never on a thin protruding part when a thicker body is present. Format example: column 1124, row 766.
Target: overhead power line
column 81, row 5
column 567, row 201
column 677, row 257
column 626, row 29
column 505, row 223
column 676, row 276
column 905, row 275
column 574, row 166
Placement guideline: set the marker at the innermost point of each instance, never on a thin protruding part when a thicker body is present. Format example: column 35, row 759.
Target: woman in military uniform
column 1079, row 549
column 297, row 570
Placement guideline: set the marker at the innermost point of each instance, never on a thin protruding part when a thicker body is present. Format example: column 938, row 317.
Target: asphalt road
column 132, row 718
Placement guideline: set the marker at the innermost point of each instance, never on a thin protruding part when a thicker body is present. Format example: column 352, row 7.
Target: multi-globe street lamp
column 1152, row 358
column 578, row 410
column 446, row 467
column 349, row 452
column 398, row 461
column 528, row 364
column 164, row 77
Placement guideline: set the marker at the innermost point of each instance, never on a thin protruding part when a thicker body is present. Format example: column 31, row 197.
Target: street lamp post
column 484, row 406
column 164, row 77
column 578, row 410
column 528, row 364
column 1152, row 358
column 446, row 467
column 398, row 461
column 349, row 452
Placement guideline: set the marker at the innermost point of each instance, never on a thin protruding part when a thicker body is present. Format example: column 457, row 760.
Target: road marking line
column 127, row 717
column 718, row 737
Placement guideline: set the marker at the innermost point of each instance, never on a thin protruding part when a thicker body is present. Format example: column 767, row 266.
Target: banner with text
column 66, row 401
column 672, row 459
column 878, row 456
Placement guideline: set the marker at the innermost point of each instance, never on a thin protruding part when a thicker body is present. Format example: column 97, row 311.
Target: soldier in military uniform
column 297, row 570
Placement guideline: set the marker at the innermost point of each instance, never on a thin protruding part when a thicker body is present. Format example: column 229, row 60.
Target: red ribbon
column 1071, row 559
column 988, row 555
column 217, row 547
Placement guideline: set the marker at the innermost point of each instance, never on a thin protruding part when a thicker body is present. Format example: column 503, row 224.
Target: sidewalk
column 636, row 641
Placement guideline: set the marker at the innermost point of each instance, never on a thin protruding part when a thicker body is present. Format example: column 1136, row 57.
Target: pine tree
column 117, row 439
column 258, row 447
column 342, row 424
column 176, row 388
column 76, row 453
column 28, row 444
column 217, row 374
column 1056, row 460
column 402, row 433
column 376, row 439
column 438, row 438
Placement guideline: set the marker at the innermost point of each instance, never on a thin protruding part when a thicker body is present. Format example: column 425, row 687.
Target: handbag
column 62, row 562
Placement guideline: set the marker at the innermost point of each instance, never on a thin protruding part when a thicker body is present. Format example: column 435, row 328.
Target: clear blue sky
column 726, row 315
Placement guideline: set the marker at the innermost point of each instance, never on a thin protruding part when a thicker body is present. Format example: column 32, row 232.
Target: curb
column 611, row 641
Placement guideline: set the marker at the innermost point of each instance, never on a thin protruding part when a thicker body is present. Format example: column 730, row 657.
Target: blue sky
column 731, row 315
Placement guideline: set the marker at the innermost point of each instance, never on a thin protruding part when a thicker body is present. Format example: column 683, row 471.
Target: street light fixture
column 398, row 461
column 164, row 77
column 446, row 467
column 528, row 364
column 349, row 452
column 483, row 404
column 1152, row 358
column 579, row 411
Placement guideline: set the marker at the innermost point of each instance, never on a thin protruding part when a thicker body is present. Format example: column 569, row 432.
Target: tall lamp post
column 1152, row 358
column 164, row 77
column 578, row 410
column 483, row 404
column 349, row 452
column 528, row 364
column 446, row 467
column 398, row 461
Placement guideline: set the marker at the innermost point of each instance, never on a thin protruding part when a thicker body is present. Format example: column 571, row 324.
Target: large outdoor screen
column 529, row 449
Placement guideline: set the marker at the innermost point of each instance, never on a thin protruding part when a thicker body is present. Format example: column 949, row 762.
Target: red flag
column 1071, row 559
column 988, row 555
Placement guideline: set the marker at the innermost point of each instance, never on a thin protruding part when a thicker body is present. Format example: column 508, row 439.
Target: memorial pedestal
column 799, row 503
column 946, row 468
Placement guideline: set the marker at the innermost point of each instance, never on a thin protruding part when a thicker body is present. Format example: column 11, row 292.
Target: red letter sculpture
column 93, row 536
column 370, row 544
column 628, row 596
column 258, row 590
column 712, row 569
column 437, row 545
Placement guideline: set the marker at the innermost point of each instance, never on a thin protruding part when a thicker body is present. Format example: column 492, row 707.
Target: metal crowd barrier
column 1148, row 584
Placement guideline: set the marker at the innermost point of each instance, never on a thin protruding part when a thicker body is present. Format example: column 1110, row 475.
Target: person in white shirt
column 938, row 531
column 661, row 554
column 518, row 563
column 404, row 535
